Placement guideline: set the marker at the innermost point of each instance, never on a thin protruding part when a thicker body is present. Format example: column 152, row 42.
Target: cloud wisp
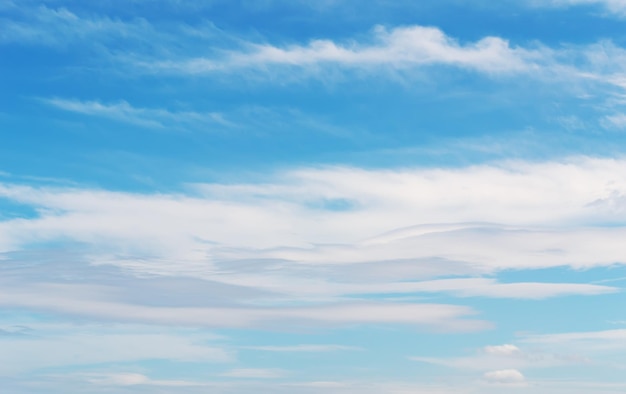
column 398, row 48
column 141, row 46
column 303, row 348
column 616, row 8
column 60, row 27
column 124, row 112
column 505, row 357
column 89, row 344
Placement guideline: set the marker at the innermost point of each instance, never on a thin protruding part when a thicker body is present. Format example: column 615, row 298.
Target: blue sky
column 305, row 197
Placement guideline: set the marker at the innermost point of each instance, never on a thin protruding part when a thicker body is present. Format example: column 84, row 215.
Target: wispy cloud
column 508, row 357
column 83, row 344
column 398, row 48
column 102, row 37
column 611, row 7
column 303, row 348
column 254, row 373
column 603, row 339
column 122, row 111
column 252, row 119
column 138, row 46
column 61, row 27
column 505, row 376
column 593, row 350
column 617, row 121
column 132, row 379
column 98, row 304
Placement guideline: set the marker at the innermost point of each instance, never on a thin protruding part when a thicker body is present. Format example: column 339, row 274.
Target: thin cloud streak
column 303, row 348
column 60, row 27
column 615, row 8
column 122, row 111
column 79, row 346
column 83, row 302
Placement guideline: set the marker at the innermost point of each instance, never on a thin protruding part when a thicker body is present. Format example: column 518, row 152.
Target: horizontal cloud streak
column 67, row 345
column 399, row 48
column 96, row 304
column 303, row 348
column 145, row 117
column 612, row 7
column 60, row 27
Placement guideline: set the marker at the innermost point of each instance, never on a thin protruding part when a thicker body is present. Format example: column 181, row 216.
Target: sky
column 303, row 197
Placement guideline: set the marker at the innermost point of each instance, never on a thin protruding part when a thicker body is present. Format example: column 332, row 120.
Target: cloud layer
column 305, row 245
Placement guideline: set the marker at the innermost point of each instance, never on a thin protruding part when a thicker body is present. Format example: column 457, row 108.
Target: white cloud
column 84, row 345
column 589, row 341
column 321, row 385
column 615, row 121
column 398, row 51
column 146, row 117
column 462, row 287
column 503, row 350
column 118, row 379
column 597, row 351
column 398, row 48
column 487, row 361
column 613, row 7
column 530, row 200
column 61, row 27
column 303, row 348
column 41, row 24
column 270, row 120
column 373, row 387
column 257, row 254
column 133, row 379
column 95, row 303
column 533, row 201
column 254, row 373
column 504, row 356
column 136, row 46
column 505, row 376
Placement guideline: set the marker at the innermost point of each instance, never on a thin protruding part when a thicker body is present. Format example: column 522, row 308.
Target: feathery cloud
column 398, row 48
column 122, row 111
